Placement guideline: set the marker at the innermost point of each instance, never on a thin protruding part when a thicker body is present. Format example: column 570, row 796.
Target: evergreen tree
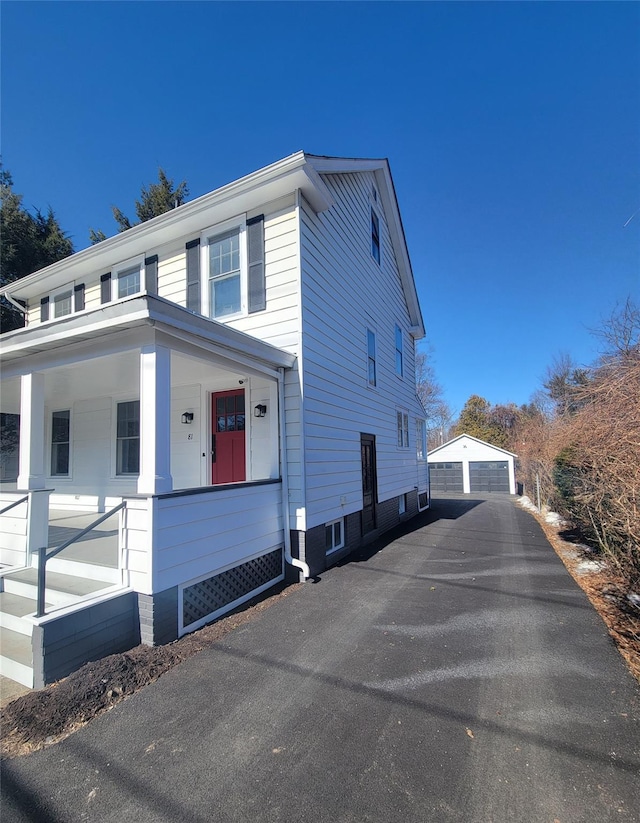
column 155, row 199
column 477, row 420
column 28, row 243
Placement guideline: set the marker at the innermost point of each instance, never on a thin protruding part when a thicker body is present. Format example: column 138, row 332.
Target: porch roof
column 143, row 310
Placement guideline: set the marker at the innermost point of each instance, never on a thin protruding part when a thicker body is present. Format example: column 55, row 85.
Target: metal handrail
column 43, row 556
column 15, row 503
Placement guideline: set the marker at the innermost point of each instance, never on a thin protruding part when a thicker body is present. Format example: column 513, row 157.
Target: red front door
column 227, row 437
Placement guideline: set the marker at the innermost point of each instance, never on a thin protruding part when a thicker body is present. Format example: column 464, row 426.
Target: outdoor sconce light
column 187, row 417
column 260, row 410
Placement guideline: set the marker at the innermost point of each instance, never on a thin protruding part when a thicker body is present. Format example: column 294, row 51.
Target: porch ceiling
column 115, row 375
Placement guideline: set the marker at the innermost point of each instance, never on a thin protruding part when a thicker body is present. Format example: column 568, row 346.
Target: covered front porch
column 175, row 417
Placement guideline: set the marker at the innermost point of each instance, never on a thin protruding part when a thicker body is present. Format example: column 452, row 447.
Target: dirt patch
column 45, row 716
column 607, row 591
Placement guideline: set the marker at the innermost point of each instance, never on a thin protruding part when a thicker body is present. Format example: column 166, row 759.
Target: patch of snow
column 526, row 503
column 554, row 519
column 634, row 599
column 590, row 566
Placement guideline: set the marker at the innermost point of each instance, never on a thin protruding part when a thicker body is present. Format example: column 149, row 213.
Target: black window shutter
column 44, row 309
column 193, row 275
column 151, row 274
column 78, row 292
column 255, row 244
column 105, row 288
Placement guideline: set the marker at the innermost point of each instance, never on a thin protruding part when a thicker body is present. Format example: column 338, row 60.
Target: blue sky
column 512, row 129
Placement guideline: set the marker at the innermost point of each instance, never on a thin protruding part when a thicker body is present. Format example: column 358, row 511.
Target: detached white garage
column 466, row 464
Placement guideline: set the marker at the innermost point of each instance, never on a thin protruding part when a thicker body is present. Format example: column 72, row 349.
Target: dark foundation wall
column 62, row 645
column 310, row 545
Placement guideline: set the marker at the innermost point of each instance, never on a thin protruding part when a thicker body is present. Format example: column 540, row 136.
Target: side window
column 402, row 429
column 375, row 237
column 128, row 437
column 371, row 357
column 60, row 442
column 421, row 439
column 399, row 352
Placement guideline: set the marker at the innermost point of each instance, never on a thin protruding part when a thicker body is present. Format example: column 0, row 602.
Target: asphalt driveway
column 456, row 673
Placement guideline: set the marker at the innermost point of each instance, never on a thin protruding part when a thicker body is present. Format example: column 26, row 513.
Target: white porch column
column 31, row 465
column 155, row 424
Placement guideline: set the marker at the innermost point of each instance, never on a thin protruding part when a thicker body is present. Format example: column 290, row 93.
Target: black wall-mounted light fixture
column 187, row 417
column 260, row 410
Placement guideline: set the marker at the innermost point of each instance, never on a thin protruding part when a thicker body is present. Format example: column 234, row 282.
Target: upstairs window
column 128, row 437
column 375, row 237
column 63, row 303
column 399, row 351
column 129, row 281
column 371, row 357
column 225, row 289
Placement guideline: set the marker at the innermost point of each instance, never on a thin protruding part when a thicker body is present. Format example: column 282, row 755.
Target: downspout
column 293, row 561
column 14, row 303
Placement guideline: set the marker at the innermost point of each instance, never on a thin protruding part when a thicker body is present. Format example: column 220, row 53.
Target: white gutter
column 293, row 561
column 21, row 309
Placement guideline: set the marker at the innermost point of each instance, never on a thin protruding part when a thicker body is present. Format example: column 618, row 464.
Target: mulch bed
column 40, row 718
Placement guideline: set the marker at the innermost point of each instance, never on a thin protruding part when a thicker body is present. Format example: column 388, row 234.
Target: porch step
column 16, row 660
column 61, row 590
column 13, row 608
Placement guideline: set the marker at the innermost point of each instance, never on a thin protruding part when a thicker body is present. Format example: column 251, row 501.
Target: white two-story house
column 237, row 376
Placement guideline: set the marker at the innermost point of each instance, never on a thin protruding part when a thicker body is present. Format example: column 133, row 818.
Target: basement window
column 334, row 535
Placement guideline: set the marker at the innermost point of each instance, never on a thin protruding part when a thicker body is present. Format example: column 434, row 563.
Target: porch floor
column 99, row 547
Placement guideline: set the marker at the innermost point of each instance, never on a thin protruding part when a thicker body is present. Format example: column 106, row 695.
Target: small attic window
column 375, row 237
column 374, row 194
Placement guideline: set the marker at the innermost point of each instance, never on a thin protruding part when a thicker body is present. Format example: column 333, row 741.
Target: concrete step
column 61, row 589
column 16, row 660
column 76, row 567
column 13, row 608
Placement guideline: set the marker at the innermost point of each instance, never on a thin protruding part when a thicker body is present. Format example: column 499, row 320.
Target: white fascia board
column 476, row 439
column 142, row 310
column 243, row 195
column 384, row 181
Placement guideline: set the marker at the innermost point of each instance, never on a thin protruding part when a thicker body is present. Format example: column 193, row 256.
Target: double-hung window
column 402, row 429
column 421, row 439
column 399, row 352
column 60, row 442
column 128, row 437
column 225, row 274
column 63, row 303
column 371, row 357
column 129, row 281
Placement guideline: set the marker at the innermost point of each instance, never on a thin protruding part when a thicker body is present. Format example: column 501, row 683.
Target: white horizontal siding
column 278, row 324
column 172, row 276
column 344, row 292
column 198, row 535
